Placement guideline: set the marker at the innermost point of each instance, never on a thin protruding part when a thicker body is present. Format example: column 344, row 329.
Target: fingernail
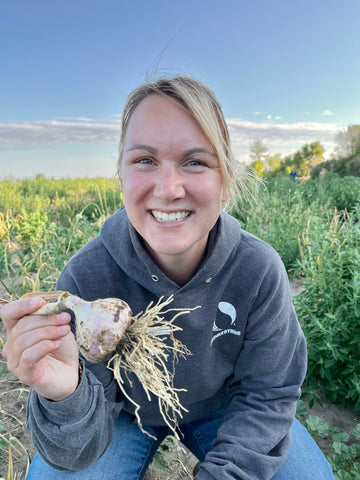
column 63, row 317
column 34, row 302
column 63, row 329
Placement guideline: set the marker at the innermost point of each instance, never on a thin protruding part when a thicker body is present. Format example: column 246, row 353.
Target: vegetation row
column 313, row 224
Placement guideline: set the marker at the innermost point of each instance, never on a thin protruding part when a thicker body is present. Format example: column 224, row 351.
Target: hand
column 40, row 350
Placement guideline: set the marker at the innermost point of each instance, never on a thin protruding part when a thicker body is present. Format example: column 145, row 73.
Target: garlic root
column 106, row 330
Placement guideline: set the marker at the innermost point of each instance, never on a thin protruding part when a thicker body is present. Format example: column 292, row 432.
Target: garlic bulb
column 99, row 324
column 147, row 347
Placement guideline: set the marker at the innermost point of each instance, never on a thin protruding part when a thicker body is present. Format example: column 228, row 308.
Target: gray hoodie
column 248, row 352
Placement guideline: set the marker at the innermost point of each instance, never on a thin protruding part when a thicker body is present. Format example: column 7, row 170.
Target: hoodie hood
column 124, row 245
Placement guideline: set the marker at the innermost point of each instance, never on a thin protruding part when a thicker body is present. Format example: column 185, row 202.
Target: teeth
column 170, row 217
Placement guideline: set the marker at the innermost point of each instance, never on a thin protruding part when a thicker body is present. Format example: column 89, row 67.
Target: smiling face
column 171, row 184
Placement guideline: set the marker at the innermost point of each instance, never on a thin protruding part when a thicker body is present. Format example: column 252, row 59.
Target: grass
column 319, row 243
column 314, row 225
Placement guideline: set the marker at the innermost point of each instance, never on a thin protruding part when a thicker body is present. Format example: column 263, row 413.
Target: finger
column 32, row 322
column 13, row 311
column 34, row 337
column 31, row 360
column 25, row 326
column 44, row 339
column 33, row 327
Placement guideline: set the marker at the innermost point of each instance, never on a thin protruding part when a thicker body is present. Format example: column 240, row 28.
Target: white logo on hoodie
column 229, row 310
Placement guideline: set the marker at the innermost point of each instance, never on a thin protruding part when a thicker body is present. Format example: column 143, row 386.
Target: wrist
column 79, row 377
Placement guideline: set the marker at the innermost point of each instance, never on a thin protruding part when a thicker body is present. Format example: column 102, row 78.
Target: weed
column 329, row 308
column 158, row 460
column 344, row 448
column 312, row 224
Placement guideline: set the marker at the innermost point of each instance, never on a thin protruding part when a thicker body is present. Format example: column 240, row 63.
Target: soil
column 179, row 462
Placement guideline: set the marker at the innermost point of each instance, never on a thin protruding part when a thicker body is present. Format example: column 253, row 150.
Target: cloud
column 74, row 119
column 266, row 115
column 283, row 138
column 59, row 131
column 327, row 113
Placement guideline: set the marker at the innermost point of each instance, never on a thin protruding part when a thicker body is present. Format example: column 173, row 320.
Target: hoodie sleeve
column 254, row 438
column 73, row 433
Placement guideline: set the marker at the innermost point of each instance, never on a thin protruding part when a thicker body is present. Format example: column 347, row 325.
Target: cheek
column 133, row 186
column 208, row 191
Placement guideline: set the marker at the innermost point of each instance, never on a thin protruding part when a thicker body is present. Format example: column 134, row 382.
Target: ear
column 226, row 190
column 224, row 197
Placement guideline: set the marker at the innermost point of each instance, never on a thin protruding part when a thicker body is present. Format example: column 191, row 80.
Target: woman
column 248, row 358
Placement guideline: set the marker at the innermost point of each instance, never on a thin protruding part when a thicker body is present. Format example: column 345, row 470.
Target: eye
column 145, row 161
column 196, row 164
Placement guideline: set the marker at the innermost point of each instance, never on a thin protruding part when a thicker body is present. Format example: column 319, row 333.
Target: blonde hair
column 201, row 103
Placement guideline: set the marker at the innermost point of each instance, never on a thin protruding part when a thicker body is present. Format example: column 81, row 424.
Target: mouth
column 170, row 217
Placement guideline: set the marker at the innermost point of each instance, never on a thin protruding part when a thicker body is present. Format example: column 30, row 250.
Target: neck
column 179, row 273
column 179, row 268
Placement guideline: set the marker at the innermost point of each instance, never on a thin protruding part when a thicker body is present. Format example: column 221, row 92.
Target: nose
column 169, row 184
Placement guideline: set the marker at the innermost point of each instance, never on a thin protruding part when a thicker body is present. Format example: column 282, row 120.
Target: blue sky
column 286, row 73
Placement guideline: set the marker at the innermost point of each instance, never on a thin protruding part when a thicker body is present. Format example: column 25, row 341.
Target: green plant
column 278, row 215
column 342, row 449
column 321, row 244
column 33, row 225
column 329, row 308
column 158, row 460
column 344, row 456
column 44, row 222
column 3, row 442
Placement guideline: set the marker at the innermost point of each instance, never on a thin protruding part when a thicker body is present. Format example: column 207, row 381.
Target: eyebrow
column 142, row 146
column 190, row 151
column 186, row 153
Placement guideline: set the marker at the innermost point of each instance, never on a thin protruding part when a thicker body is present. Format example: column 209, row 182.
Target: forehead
column 156, row 106
column 163, row 118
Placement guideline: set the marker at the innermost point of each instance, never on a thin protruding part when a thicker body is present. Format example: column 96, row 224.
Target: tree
column 348, row 141
column 273, row 162
column 258, row 165
column 280, row 166
column 258, row 151
column 307, row 157
column 258, row 155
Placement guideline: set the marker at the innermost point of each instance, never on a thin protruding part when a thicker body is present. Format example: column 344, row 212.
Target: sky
column 285, row 72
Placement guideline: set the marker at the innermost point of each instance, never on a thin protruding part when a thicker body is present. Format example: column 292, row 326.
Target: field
column 314, row 225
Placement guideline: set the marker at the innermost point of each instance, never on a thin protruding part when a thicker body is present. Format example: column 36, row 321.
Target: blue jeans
column 130, row 453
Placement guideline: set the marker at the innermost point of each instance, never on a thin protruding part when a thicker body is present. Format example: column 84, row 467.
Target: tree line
column 309, row 159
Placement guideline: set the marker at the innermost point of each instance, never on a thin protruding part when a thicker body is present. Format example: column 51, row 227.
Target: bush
column 329, row 308
column 344, row 193
column 347, row 166
column 309, row 225
column 43, row 222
